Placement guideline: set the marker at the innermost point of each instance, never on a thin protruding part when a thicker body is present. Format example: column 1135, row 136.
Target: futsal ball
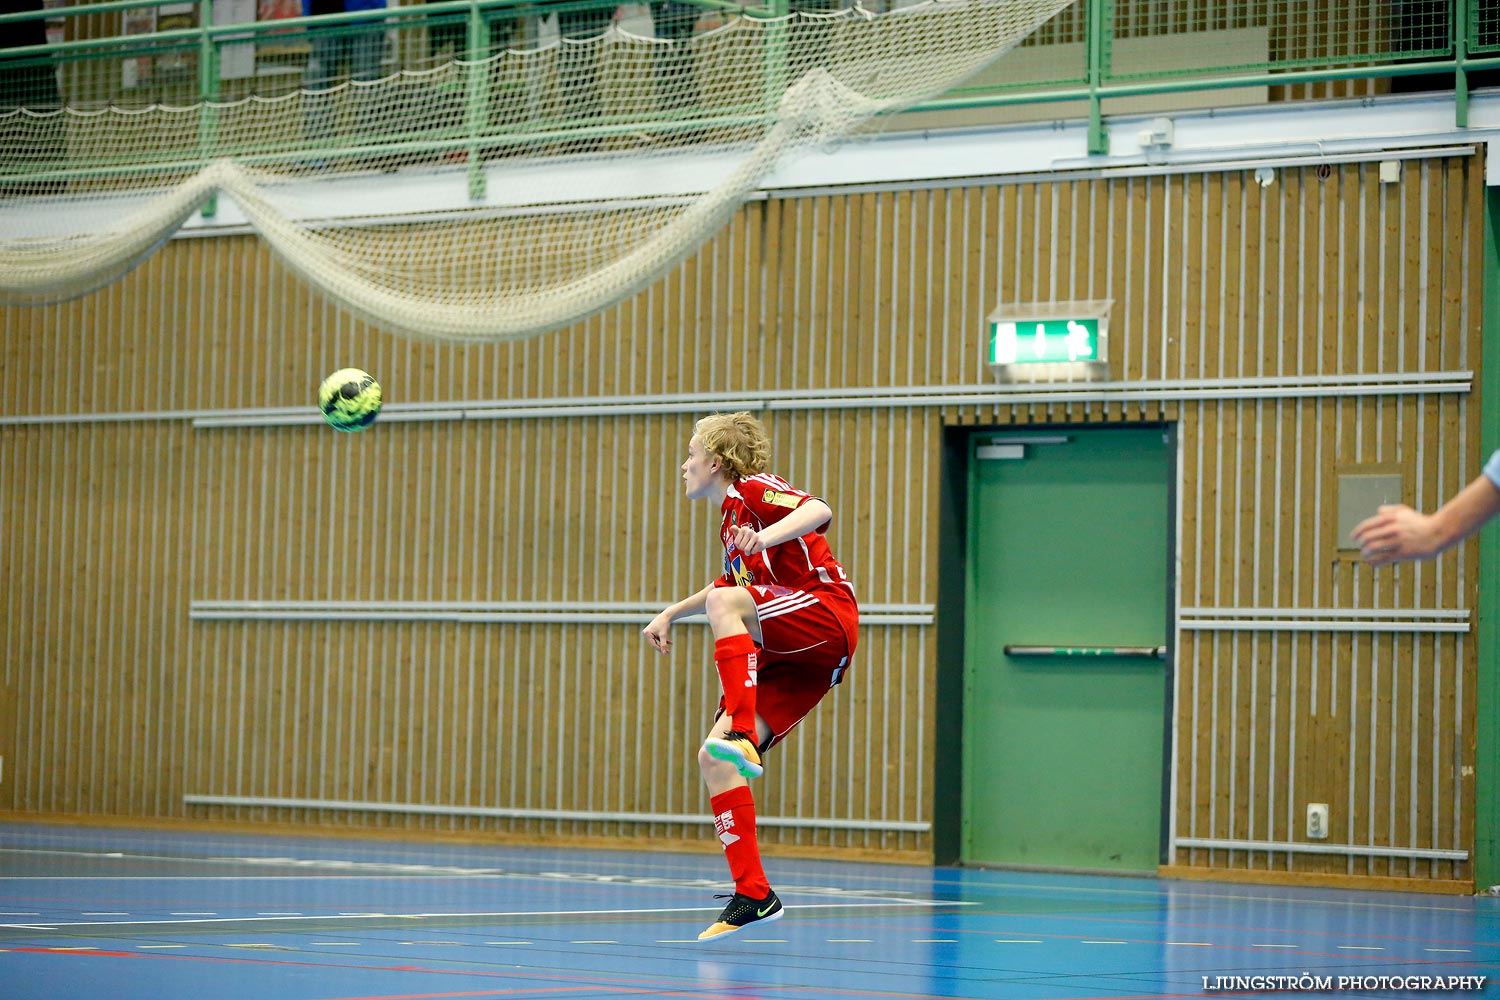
column 349, row 399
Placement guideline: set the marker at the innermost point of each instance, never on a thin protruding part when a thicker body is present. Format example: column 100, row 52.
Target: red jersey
column 804, row 563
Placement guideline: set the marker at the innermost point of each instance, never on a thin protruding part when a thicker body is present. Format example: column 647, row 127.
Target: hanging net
column 460, row 201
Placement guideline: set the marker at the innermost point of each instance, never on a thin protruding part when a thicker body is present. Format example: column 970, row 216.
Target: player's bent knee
column 729, row 603
column 726, row 599
column 712, row 766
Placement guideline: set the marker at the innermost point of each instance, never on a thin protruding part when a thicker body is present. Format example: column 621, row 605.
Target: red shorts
column 807, row 642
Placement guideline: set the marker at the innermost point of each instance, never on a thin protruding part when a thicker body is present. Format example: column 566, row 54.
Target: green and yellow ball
column 349, row 399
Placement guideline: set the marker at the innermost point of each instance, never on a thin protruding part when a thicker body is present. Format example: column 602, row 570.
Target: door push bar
column 1152, row 652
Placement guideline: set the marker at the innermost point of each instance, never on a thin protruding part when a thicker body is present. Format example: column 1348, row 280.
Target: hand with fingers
column 659, row 633
column 1397, row 533
column 747, row 539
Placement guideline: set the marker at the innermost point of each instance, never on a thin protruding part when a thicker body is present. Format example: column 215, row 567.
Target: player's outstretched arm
column 659, row 631
column 809, row 517
column 1398, row 533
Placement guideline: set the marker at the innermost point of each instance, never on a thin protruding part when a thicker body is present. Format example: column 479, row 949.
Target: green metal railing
column 1089, row 43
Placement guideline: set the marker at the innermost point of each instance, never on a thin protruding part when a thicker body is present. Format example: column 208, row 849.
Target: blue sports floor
column 125, row 915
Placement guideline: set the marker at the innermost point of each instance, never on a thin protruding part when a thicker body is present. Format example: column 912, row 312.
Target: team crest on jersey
column 779, row 498
column 735, row 567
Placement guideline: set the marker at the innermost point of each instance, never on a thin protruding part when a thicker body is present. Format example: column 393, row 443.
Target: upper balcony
column 526, row 74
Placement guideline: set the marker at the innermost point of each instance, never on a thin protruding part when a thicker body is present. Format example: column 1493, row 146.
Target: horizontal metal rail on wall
column 1293, row 847
column 485, row 612
column 1423, row 620
column 874, row 397
column 560, row 815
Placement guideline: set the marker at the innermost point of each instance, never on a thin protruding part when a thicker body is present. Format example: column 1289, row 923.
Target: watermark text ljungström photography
column 1308, row 981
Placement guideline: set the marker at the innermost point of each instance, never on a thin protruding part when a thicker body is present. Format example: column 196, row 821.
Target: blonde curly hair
column 738, row 440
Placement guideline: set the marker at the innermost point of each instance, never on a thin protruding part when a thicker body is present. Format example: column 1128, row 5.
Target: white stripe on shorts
column 796, row 595
column 785, row 605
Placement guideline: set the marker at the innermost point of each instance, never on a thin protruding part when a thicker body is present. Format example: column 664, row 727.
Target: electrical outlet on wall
column 1317, row 821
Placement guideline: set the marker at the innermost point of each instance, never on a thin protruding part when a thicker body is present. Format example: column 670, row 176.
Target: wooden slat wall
column 109, row 530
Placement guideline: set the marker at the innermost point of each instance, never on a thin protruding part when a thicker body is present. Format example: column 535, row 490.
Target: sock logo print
column 723, row 822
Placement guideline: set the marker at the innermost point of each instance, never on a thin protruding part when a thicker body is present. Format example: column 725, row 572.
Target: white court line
column 58, row 924
column 406, row 871
column 696, row 886
column 687, row 869
column 409, row 870
column 924, row 881
column 353, row 876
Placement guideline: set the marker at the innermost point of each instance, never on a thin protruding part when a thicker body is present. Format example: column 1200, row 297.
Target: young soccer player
column 785, row 624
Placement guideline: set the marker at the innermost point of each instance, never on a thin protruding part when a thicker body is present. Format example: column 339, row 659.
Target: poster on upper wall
column 276, row 10
column 176, row 63
column 57, row 27
column 57, row 32
column 286, row 40
column 136, row 71
column 236, row 58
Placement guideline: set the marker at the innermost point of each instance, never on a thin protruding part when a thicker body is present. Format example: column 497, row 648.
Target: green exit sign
column 1055, row 341
column 1044, row 341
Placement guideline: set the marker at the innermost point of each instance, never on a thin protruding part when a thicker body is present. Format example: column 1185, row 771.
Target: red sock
column 734, row 658
column 734, row 822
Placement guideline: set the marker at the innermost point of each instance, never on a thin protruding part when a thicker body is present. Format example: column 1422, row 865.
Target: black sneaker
column 741, row 912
